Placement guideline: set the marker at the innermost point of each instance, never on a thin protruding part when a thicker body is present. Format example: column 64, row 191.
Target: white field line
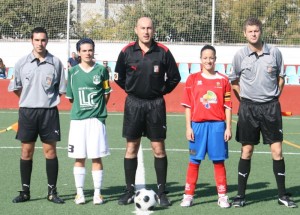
column 140, row 181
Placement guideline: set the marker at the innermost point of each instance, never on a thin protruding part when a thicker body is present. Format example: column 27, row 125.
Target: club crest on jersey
column 156, row 69
column 269, row 69
column 96, row 79
column 192, row 152
column 199, row 82
column 218, row 84
column 48, row 81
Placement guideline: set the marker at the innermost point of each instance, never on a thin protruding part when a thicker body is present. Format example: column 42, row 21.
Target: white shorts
column 87, row 139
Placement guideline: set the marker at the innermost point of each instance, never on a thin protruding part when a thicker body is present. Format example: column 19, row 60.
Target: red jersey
column 207, row 96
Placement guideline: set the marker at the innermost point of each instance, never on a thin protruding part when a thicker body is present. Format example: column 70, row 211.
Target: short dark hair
column 39, row 30
column 84, row 40
column 253, row 21
column 208, row 47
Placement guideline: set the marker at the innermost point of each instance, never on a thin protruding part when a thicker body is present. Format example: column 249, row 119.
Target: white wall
column 10, row 52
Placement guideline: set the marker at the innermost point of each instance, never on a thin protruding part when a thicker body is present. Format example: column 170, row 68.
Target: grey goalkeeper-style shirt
column 258, row 74
column 40, row 82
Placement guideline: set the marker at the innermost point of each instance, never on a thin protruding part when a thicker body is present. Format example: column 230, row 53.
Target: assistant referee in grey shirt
column 38, row 82
column 257, row 78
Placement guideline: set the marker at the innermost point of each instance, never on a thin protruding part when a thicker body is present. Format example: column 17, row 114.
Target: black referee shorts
column 255, row 118
column 38, row 121
column 144, row 117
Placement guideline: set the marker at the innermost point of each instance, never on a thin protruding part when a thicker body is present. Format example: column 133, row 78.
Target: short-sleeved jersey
column 146, row 75
column 40, row 82
column 87, row 90
column 207, row 96
column 258, row 74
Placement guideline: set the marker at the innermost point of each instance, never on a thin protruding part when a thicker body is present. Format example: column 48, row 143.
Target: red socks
column 220, row 178
column 191, row 178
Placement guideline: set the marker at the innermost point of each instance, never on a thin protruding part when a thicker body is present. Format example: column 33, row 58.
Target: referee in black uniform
column 146, row 70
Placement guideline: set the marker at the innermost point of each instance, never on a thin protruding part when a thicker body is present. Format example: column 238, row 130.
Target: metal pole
column 68, row 28
column 213, row 23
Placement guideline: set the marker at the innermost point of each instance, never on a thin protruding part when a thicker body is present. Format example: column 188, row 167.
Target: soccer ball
column 145, row 200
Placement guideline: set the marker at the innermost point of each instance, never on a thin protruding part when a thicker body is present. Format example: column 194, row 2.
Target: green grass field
column 261, row 192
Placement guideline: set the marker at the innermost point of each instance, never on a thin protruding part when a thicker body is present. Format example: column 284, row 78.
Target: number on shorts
column 71, row 148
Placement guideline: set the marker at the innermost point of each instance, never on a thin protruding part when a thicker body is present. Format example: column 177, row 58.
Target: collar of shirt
column 152, row 47
column 266, row 50
column 48, row 58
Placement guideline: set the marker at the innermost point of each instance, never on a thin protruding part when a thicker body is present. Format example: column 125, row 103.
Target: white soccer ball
column 145, row 199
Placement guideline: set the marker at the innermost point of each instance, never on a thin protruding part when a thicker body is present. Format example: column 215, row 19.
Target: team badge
column 187, row 186
column 192, row 152
column 221, row 188
column 269, row 69
column 156, row 69
column 96, row 79
column 48, row 80
column 199, row 82
column 116, row 76
column 218, row 84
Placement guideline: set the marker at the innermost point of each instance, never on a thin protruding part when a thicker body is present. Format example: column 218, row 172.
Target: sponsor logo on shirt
column 86, row 100
column 209, row 98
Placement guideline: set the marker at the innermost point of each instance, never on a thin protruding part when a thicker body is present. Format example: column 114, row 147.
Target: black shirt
column 146, row 75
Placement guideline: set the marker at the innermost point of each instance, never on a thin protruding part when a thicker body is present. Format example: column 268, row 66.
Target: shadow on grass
column 256, row 192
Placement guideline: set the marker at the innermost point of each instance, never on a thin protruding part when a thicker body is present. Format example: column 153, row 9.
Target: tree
column 19, row 17
column 97, row 27
column 280, row 19
column 175, row 20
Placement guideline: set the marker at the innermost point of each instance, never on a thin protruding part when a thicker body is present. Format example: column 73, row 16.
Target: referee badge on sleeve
column 116, row 76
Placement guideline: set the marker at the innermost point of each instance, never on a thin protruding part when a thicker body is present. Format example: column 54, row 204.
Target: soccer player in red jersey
column 207, row 103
